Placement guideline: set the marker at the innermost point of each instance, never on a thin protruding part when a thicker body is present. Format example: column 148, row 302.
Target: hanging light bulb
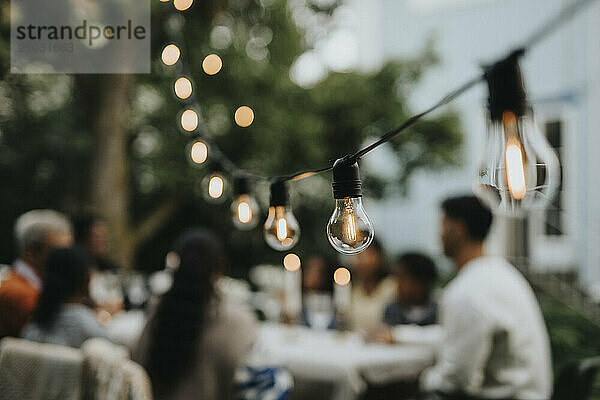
column 198, row 151
column 349, row 229
column 281, row 228
column 214, row 185
column 519, row 171
column 170, row 54
column 244, row 208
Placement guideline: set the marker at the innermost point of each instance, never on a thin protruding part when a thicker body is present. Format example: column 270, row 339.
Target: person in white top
column 496, row 344
column 372, row 288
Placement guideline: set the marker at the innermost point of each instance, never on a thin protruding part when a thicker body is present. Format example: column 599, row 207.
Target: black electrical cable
column 533, row 39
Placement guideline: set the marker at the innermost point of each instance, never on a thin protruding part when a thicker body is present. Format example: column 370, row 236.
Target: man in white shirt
column 496, row 345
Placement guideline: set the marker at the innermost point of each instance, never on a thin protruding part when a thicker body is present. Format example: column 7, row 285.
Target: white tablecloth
column 342, row 359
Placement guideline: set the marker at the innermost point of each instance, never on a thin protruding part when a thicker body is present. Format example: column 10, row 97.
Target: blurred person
column 317, row 274
column 416, row 276
column 317, row 288
column 36, row 232
column 107, row 293
column 194, row 340
column 372, row 288
column 92, row 234
column 496, row 344
column 60, row 316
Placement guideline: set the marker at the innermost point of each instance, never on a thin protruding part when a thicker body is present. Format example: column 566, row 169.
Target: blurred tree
column 112, row 142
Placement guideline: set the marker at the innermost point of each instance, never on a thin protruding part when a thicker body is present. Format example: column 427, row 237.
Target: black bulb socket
column 241, row 184
column 506, row 88
column 346, row 179
column 279, row 193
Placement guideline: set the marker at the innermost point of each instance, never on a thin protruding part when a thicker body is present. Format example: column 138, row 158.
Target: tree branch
column 157, row 219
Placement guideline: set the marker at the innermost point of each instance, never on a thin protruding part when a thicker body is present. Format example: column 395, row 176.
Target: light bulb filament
column 281, row 229
column 215, row 187
column 350, row 222
column 244, row 212
column 515, row 170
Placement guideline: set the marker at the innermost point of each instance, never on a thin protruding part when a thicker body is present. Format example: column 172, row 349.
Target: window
column 554, row 224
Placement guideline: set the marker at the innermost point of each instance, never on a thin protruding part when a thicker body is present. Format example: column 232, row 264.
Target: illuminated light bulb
column 182, row 5
column 292, row 262
column 212, row 64
column 244, row 116
column 281, row 229
column 164, row 1
column 349, row 229
column 244, row 208
column 189, row 120
column 341, row 276
column 199, row 152
column 183, row 88
column 514, row 158
column 170, row 54
column 519, row 170
column 214, row 185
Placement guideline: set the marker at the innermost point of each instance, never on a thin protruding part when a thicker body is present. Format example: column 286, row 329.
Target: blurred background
column 323, row 78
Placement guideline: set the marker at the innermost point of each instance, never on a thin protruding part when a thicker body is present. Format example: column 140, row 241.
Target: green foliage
column 295, row 128
column 572, row 337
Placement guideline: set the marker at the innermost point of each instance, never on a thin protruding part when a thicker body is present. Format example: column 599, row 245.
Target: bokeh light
column 215, row 186
column 199, row 152
column 182, row 5
column 244, row 116
column 183, row 88
column 212, row 64
column 189, row 120
column 170, row 54
column 291, row 262
column 341, row 276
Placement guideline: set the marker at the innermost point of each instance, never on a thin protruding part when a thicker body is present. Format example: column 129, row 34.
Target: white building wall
column 562, row 75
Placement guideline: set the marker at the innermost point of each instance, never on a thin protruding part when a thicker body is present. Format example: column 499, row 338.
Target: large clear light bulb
column 244, row 208
column 519, row 170
column 281, row 229
column 349, row 229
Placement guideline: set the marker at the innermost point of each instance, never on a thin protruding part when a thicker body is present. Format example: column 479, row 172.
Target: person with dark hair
column 495, row 343
column 60, row 317
column 416, row 276
column 317, row 288
column 91, row 233
column 194, row 340
column 372, row 288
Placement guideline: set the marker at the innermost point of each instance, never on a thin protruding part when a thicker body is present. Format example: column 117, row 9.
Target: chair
column 37, row 371
column 110, row 374
column 576, row 380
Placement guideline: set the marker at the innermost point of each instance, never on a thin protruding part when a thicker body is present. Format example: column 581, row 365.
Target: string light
column 244, row 208
column 170, row 54
column 519, row 170
column 189, row 120
column 183, row 88
column 349, row 229
column 199, row 152
column 182, row 5
column 522, row 149
column 244, row 116
column 214, row 184
column 281, row 229
column 212, row 64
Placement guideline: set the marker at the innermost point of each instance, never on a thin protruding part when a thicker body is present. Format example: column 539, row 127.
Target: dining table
column 340, row 360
